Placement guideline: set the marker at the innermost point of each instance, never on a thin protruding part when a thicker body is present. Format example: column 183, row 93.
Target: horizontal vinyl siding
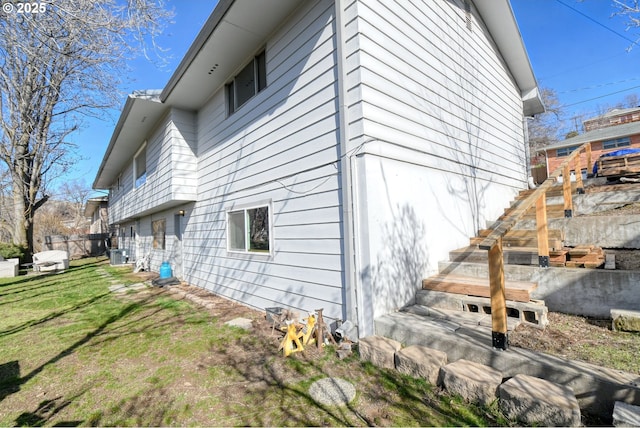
column 281, row 147
column 440, row 87
column 171, row 170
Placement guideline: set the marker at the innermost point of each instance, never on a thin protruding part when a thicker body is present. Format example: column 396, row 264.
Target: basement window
column 248, row 230
column 247, row 83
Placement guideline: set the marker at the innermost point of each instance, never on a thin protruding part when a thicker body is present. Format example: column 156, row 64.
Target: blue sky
column 581, row 51
column 576, row 48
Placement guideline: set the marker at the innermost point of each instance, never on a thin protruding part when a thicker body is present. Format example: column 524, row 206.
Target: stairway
column 465, row 299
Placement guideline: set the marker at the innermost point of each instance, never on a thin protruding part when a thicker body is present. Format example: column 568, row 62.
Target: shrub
column 12, row 251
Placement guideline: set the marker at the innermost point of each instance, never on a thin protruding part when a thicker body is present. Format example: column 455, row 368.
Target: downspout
column 348, row 218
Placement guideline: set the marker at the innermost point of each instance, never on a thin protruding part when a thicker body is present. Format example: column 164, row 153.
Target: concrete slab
column 420, row 362
column 380, row 351
column 597, row 388
column 243, row 323
column 626, row 415
column 625, row 320
column 536, row 401
column 118, row 288
column 475, row 382
column 459, row 318
column 332, row 391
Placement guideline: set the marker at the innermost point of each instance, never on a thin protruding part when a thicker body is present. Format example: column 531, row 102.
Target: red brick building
column 618, row 129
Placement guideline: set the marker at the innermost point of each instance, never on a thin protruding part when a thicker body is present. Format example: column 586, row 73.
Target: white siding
column 171, row 170
column 138, row 240
column 437, row 120
column 280, row 147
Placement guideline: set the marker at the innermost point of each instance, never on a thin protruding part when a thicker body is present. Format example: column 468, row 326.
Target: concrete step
column 526, row 256
column 470, row 285
column 553, row 211
column 522, row 238
column 477, row 320
column 554, row 191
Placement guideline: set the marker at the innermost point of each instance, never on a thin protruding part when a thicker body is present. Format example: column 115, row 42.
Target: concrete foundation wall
column 621, row 231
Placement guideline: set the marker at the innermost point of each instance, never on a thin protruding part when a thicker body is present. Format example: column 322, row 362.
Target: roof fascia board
column 207, row 30
column 124, row 115
column 499, row 18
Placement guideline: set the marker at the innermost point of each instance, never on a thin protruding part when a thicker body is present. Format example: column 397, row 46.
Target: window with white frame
column 618, row 142
column 247, row 83
column 248, row 229
column 140, row 166
column 565, row 151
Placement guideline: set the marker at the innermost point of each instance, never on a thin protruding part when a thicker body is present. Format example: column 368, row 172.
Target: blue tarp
column 620, row 152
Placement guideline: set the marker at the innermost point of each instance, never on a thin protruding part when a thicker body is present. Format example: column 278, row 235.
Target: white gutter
column 351, row 278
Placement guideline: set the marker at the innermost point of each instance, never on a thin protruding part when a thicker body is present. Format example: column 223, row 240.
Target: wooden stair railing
column 493, row 242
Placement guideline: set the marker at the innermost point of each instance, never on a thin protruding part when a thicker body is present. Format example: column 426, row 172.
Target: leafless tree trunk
column 58, row 64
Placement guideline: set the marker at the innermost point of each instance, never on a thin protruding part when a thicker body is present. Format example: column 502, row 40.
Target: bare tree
column 59, row 63
column 76, row 193
column 543, row 128
column 629, row 9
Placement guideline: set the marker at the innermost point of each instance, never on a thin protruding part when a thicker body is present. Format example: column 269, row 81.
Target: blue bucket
column 165, row 270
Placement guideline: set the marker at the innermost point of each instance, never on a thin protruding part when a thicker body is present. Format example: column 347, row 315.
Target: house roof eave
column 138, row 117
column 602, row 134
column 499, row 18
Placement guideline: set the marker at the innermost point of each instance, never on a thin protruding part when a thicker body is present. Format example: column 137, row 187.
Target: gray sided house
column 324, row 153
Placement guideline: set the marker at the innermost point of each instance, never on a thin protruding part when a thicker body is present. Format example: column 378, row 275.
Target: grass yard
column 72, row 353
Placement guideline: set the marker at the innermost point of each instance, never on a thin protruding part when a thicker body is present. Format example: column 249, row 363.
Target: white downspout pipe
column 348, row 218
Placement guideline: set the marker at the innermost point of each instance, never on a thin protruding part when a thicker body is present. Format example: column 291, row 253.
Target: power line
column 601, row 96
column 633, row 42
column 600, row 85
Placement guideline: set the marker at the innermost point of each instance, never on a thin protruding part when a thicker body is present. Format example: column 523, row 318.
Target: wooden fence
column 78, row 246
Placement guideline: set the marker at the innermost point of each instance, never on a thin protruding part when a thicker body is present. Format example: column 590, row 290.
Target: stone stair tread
column 460, row 318
column 526, row 256
column 518, row 291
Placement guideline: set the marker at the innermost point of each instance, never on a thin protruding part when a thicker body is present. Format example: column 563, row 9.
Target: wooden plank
column 541, row 225
column 497, row 291
column 578, row 172
column 526, row 233
column 593, row 265
column 580, row 250
column 588, row 156
column 515, row 291
column 520, row 242
column 566, row 187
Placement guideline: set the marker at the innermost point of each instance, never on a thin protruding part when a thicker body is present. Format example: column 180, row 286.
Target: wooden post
column 589, row 166
column 498, row 297
column 578, row 170
column 542, row 231
column 566, row 191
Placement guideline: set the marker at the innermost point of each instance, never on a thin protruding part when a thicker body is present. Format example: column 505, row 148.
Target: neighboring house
column 616, row 116
column 603, row 140
column 327, row 153
column 97, row 211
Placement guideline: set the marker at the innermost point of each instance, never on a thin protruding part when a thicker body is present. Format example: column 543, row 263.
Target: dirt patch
column 581, row 338
column 568, row 336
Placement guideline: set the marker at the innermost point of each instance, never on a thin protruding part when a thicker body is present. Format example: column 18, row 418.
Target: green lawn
column 73, row 353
